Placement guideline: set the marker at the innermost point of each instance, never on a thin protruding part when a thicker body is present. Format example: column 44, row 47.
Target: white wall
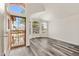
column 32, row 10
column 1, row 35
column 65, row 29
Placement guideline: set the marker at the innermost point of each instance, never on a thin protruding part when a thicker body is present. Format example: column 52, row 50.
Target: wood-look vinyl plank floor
column 57, row 49
column 46, row 47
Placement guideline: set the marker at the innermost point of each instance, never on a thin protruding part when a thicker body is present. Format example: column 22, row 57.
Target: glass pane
column 16, row 9
column 15, row 24
column 18, row 24
column 21, row 37
column 21, row 23
column 44, row 27
column 18, row 31
column 15, row 39
column 36, row 27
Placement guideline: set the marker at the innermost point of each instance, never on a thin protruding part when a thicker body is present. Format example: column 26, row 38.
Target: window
column 16, row 8
column 18, row 23
column 44, row 27
column 36, row 27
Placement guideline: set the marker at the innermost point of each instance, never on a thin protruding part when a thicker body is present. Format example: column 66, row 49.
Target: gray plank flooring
column 46, row 47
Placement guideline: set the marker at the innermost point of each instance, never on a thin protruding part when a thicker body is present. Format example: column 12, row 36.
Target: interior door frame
column 9, row 38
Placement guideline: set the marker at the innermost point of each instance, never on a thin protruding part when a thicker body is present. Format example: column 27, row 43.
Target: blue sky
column 17, row 22
column 16, row 9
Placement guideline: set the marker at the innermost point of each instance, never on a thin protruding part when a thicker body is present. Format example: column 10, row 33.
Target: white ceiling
column 34, row 8
column 54, row 10
column 61, row 10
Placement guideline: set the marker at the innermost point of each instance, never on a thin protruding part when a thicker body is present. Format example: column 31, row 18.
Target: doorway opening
column 17, row 31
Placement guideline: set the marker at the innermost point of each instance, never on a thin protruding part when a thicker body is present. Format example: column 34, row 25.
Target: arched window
column 36, row 27
column 16, row 8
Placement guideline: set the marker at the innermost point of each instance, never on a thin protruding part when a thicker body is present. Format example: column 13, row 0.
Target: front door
column 17, row 31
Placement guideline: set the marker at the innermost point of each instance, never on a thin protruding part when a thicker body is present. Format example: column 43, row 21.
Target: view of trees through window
column 17, row 31
column 36, row 27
